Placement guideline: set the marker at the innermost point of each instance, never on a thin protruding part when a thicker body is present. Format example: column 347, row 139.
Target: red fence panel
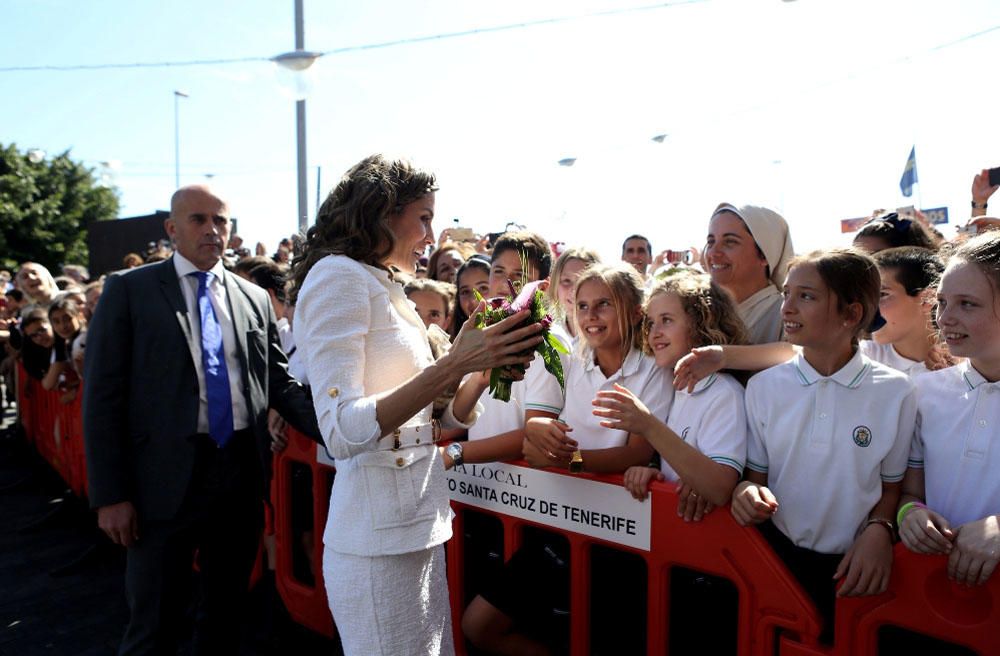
column 920, row 598
column 299, row 559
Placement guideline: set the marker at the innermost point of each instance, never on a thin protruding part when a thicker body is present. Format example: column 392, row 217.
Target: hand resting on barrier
column 752, row 502
column 550, row 437
column 976, row 552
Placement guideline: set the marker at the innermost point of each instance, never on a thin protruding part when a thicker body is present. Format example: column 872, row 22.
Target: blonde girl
column 703, row 443
column 951, row 490
column 511, row 614
column 565, row 272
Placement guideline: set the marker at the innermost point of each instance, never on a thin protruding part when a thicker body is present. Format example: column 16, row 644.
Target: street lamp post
column 177, row 138
column 298, row 61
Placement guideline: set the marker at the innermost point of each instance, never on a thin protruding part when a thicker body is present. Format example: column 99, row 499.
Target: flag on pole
column 909, row 174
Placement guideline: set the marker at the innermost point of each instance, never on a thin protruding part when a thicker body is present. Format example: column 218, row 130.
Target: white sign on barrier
column 600, row 510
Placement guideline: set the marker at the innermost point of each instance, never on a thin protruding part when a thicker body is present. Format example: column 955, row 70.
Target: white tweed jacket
column 360, row 336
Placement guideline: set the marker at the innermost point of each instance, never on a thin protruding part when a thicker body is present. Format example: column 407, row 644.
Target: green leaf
column 554, row 342
column 552, row 363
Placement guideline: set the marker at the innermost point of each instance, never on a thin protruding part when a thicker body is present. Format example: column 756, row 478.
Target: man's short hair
column 531, row 245
column 649, row 246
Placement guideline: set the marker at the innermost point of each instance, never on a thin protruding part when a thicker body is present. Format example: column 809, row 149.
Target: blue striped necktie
column 213, row 363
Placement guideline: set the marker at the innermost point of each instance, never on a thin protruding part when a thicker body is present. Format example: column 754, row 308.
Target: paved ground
column 83, row 612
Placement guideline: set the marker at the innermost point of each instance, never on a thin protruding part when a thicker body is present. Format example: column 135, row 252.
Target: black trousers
column 814, row 572
column 220, row 520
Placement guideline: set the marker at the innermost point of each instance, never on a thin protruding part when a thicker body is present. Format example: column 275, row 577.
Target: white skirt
column 390, row 605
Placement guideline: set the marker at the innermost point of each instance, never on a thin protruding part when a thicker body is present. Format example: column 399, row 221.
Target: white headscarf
column 770, row 231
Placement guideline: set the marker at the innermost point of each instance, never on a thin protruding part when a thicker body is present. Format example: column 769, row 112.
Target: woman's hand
column 622, row 410
column 637, row 480
column 550, row 437
column 976, row 552
column 700, row 363
column 866, row 565
column 925, row 531
column 691, row 505
column 499, row 345
column 752, row 503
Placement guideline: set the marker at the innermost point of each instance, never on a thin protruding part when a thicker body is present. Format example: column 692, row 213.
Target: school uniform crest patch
column 862, row 436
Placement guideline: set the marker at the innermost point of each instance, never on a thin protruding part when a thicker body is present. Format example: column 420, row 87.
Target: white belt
column 410, row 436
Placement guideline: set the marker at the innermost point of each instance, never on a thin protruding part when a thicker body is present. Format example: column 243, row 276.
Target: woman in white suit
column 374, row 382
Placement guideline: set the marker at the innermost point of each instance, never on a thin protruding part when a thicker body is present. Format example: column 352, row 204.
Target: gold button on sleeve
column 333, row 392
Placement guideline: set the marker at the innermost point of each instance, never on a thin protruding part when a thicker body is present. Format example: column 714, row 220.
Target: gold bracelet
column 885, row 523
column 576, row 462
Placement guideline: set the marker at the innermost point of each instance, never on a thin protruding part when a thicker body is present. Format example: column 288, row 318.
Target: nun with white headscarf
column 747, row 254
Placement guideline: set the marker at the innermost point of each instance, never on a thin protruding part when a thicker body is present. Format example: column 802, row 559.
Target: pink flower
column 524, row 300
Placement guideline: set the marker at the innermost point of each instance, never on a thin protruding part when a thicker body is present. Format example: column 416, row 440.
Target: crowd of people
column 839, row 399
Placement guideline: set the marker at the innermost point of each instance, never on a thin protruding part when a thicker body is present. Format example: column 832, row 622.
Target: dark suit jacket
column 140, row 399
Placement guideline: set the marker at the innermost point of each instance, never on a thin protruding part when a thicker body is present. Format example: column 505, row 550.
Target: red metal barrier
column 769, row 597
column 304, row 596
column 56, row 431
column 55, row 428
column 920, row 597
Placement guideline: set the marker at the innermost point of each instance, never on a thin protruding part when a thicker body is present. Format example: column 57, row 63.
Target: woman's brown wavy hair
column 354, row 218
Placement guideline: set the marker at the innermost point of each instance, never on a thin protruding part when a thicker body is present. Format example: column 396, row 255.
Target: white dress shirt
column 217, row 295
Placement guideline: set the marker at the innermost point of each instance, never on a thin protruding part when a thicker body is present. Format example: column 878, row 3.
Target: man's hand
column 278, row 428
column 119, row 522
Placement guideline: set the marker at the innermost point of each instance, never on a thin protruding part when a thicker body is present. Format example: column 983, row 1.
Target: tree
column 46, row 208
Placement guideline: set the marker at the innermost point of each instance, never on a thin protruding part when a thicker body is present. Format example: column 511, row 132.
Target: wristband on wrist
column 576, row 462
column 906, row 508
column 978, row 206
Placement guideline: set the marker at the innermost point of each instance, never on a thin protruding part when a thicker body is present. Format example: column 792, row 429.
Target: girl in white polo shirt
column 703, row 443
column 829, row 436
column 514, row 613
column 955, row 457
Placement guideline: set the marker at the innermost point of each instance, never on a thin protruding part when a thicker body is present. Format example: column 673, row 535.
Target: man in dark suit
column 183, row 361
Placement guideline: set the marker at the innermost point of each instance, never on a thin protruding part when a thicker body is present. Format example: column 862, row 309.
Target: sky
column 808, row 107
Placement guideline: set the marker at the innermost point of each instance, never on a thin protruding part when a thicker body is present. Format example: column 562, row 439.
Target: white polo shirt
column 502, row 417
column 887, row 355
column 584, row 378
column 713, row 420
column 957, row 443
column 827, row 443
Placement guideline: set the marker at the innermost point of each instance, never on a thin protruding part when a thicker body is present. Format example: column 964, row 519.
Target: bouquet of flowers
column 526, row 296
